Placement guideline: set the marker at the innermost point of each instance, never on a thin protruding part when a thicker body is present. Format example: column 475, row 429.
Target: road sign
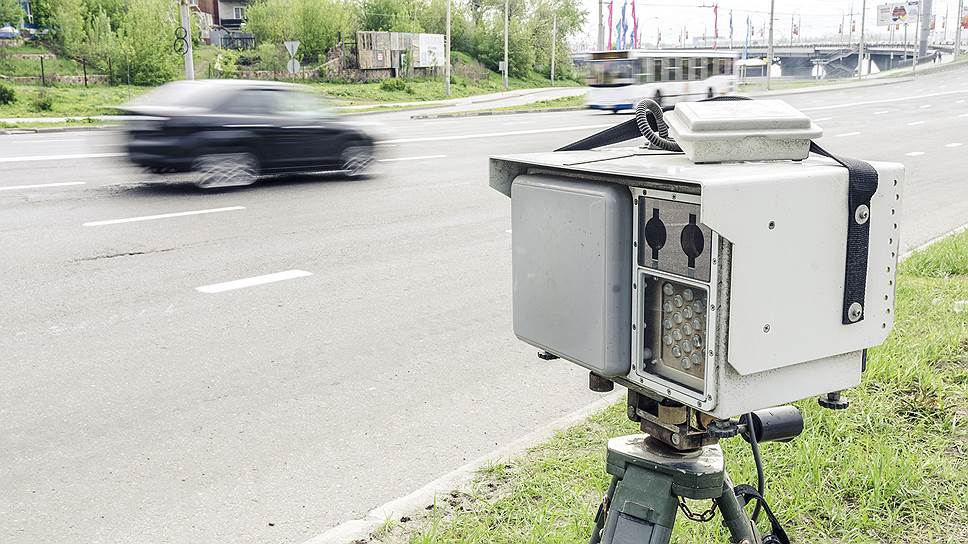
column 293, row 66
column 501, row 67
column 292, row 46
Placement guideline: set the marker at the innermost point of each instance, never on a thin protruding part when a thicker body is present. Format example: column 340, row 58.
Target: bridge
column 836, row 59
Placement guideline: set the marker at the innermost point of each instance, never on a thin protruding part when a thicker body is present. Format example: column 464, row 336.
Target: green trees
column 10, row 12
column 315, row 23
column 145, row 42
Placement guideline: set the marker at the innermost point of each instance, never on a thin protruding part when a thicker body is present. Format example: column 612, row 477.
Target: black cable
column 758, row 461
column 650, row 110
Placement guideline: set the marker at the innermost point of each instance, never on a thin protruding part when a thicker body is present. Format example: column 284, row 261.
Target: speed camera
column 725, row 286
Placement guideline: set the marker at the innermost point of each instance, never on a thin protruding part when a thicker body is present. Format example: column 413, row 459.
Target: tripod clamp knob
column 833, row 401
column 722, row 428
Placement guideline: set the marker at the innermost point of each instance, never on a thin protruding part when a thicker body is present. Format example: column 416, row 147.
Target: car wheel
column 226, row 170
column 356, row 159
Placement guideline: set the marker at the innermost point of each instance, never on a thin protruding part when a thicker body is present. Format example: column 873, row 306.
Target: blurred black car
column 231, row 132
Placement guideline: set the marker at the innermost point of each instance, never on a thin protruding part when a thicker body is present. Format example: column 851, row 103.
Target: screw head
column 855, row 312
column 766, row 328
column 862, row 214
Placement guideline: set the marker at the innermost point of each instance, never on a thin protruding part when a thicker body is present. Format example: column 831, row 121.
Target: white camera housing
column 765, row 292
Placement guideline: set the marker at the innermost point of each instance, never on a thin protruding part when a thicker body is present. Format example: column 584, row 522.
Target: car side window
column 250, row 102
column 298, row 104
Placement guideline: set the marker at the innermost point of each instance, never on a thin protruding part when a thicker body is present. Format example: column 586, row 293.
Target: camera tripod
column 679, row 458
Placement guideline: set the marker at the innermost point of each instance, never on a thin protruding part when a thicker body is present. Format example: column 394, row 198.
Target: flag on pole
column 635, row 27
column 622, row 27
column 715, row 24
column 610, row 25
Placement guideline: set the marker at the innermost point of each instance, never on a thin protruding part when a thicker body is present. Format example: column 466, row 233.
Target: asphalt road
column 136, row 408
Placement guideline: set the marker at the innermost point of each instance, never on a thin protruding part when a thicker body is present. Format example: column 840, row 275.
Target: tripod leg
column 642, row 509
column 602, row 511
column 741, row 529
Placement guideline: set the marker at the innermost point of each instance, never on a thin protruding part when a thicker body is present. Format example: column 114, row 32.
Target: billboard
column 897, row 13
column 431, row 48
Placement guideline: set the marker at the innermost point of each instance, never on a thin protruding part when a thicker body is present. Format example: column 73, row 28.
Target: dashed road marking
column 846, row 134
column 61, row 157
column 915, row 153
column 882, row 112
column 924, row 106
column 912, row 123
column 882, row 101
column 420, row 158
column 953, row 144
column 40, row 185
column 253, row 281
column 160, row 216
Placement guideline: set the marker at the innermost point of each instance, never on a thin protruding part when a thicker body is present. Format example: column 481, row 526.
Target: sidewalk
column 467, row 102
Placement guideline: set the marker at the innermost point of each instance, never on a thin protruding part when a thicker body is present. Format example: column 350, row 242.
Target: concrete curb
column 42, row 130
column 358, row 529
column 494, row 112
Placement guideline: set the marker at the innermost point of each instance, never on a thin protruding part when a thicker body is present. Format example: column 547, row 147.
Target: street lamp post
column 447, row 55
column 507, row 21
column 860, row 48
column 958, row 28
column 769, row 49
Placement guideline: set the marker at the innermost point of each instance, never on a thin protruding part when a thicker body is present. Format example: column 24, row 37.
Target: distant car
column 231, row 132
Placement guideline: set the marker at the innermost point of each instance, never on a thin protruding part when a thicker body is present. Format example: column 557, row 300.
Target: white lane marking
column 953, row 144
column 495, row 134
column 915, row 153
column 253, row 281
column 882, row 112
column 882, row 101
column 962, row 101
column 823, row 119
column 61, row 157
column 420, row 158
column 963, row 115
column 37, row 141
column 912, row 123
column 160, row 216
column 41, row 185
column 925, row 106
column 846, row 134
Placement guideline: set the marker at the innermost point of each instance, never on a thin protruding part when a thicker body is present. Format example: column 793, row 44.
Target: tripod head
column 683, row 428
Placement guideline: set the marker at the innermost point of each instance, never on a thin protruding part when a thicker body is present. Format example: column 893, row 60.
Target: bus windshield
column 611, row 73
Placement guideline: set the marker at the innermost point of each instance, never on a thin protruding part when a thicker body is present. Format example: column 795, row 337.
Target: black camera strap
column 861, row 186
column 746, row 493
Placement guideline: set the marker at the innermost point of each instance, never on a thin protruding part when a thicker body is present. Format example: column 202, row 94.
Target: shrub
column 7, row 95
column 395, row 84
column 43, row 102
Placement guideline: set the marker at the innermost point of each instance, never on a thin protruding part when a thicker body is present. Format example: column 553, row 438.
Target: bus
column 619, row 79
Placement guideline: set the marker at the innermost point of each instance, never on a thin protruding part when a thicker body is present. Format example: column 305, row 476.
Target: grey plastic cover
column 571, row 266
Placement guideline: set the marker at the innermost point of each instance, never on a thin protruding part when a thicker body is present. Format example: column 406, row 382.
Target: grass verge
column 892, row 468
column 68, row 100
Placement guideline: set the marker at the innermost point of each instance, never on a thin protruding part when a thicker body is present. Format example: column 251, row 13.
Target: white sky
column 817, row 18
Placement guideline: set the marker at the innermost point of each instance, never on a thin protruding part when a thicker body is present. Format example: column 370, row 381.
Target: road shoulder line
column 356, row 529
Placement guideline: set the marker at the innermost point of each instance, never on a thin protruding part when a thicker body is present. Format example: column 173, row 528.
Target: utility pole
column 860, row 48
column 447, row 55
column 601, row 28
column 958, row 28
column 554, row 45
column 769, row 49
column 924, row 15
column 917, row 51
column 187, row 29
column 507, row 21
